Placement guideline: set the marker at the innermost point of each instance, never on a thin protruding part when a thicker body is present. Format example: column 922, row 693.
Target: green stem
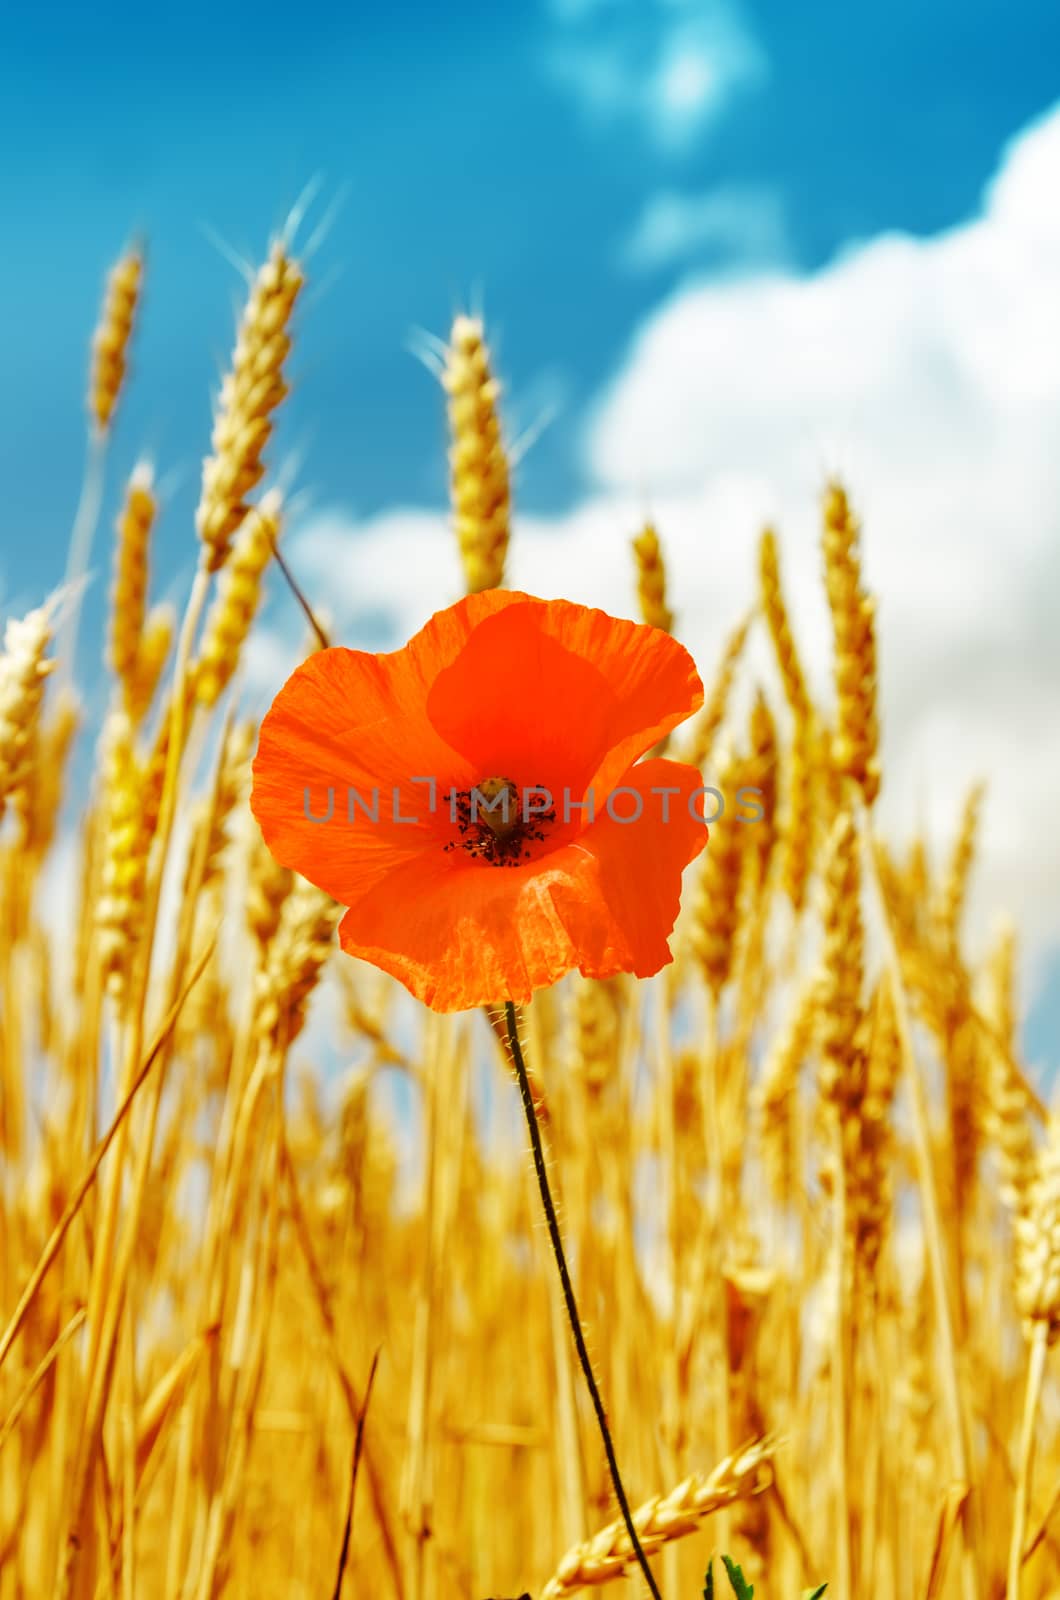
column 568, row 1290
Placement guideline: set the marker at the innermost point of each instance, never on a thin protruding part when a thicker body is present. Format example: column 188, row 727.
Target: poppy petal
column 622, row 894
column 353, row 720
column 341, row 743
column 466, row 934
column 551, row 692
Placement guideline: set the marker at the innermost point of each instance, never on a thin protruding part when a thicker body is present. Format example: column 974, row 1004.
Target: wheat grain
column 1038, row 1239
column 717, row 907
column 664, row 1517
column 651, row 579
column 268, row 885
column 480, row 487
column 126, row 843
column 110, row 343
column 855, row 745
column 595, row 1019
column 250, row 393
column 842, row 1064
column 129, row 600
column 238, row 596
column 39, row 800
column 1007, row 1118
column 775, row 611
column 152, row 654
column 760, row 772
column 213, row 1395
column 954, row 887
column 23, row 669
column 797, row 826
column 301, row 945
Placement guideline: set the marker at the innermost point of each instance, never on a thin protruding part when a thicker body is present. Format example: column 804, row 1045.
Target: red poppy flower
column 476, row 798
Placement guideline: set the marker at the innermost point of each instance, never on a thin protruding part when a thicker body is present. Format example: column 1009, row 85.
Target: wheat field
column 810, row 1197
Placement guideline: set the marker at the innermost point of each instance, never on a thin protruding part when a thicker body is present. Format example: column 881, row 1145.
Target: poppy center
column 497, row 822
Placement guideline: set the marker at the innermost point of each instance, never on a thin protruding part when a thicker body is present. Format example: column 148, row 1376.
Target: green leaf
column 814, row 1594
column 708, row 1582
column 740, row 1586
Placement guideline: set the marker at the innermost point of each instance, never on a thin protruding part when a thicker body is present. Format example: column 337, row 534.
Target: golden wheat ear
column 110, row 342
column 129, row 601
column 855, row 747
column 238, row 597
column 24, row 668
column 480, row 482
column 651, row 579
column 250, row 393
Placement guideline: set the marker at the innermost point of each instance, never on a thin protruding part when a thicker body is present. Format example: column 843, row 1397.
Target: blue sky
column 578, row 163
column 471, row 161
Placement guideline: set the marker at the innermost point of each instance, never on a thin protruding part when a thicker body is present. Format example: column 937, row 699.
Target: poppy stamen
column 493, row 823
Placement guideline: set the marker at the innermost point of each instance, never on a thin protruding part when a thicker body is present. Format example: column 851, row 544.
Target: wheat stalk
column 1038, row 1299
column 705, row 730
column 178, row 1346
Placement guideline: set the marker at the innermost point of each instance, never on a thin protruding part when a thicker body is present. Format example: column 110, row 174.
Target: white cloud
column 671, row 65
column 734, row 226
column 925, row 371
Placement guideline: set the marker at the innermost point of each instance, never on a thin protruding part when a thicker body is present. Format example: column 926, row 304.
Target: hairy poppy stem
column 568, row 1289
column 292, row 584
column 357, row 1446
